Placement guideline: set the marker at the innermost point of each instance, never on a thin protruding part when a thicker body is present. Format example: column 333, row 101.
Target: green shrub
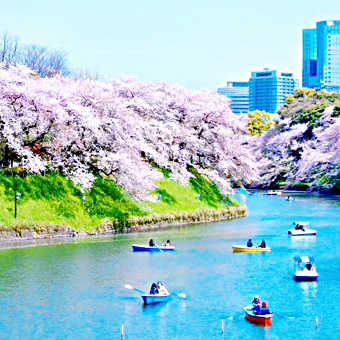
column 165, row 197
column 259, row 121
column 289, row 99
column 107, row 199
column 209, row 191
column 310, row 115
column 336, row 111
column 304, row 92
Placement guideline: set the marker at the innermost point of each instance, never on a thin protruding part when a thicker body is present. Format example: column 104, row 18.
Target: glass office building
column 267, row 89
column 321, row 56
column 309, row 59
column 238, row 94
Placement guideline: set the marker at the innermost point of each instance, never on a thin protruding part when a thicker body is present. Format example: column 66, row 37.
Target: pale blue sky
column 199, row 44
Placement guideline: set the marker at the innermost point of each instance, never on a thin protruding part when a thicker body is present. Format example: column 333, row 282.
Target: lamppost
column 16, row 199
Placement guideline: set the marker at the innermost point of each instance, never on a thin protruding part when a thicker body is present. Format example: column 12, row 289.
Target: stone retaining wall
column 133, row 224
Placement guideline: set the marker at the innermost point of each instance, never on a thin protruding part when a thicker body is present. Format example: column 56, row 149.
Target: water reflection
column 309, row 289
column 266, row 333
column 305, row 241
column 153, row 308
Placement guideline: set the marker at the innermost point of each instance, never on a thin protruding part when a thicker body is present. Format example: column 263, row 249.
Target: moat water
column 75, row 290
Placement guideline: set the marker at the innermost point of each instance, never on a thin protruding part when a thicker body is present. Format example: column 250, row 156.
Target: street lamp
column 16, row 199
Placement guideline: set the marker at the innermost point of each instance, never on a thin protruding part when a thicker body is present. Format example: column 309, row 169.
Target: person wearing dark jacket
column 154, row 289
column 264, row 309
column 151, row 243
column 257, row 309
column 263, row 244
column 249, row 243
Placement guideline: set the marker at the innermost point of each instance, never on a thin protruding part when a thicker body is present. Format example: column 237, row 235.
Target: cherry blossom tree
column 124, row 129
column 304, row 145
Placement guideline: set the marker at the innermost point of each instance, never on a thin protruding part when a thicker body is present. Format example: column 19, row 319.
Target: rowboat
column 273, row 193
column 238, row 249
column 145, row 247
column 301, row 230
column 155, row 298
column 264, row 320
column 305, row 270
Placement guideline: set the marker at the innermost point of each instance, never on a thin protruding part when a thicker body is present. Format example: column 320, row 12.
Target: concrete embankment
column 132, row 224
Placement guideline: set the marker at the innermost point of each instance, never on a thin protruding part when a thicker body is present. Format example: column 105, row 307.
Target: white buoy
column 316, row 322
column 222, row 329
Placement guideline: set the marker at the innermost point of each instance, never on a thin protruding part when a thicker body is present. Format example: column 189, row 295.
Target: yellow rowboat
column 238, row 249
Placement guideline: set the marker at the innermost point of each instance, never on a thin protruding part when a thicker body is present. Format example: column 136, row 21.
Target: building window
column 312, row 67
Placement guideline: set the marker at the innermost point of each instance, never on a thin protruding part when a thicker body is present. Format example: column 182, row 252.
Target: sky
column 198, row 44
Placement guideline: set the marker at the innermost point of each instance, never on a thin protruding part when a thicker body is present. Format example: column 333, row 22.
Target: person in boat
column 264, row 309
column 161, row 288
column 257, row 305
column 308, row 266
column 151, row 243
column 257, row 309
column 263, row 244
column 256, row 300
column 249, row 243
column 167, row 244
column 154, row 289
column 299, row 227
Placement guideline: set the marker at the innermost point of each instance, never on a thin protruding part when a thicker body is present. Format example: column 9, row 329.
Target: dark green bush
column 165, row 197
column 209, row 191
column 107, row 199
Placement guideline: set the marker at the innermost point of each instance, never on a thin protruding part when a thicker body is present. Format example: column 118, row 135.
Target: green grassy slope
column 54, row 200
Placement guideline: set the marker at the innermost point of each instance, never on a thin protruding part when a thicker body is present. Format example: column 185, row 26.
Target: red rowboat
column 264, row 320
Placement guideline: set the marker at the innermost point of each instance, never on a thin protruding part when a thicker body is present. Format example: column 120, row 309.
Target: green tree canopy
column 258, row 122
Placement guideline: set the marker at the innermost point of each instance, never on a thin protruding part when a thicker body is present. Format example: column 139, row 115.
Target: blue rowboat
column 144, row 247
column 155, row 298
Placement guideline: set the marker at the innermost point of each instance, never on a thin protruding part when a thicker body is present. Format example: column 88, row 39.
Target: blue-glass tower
column 321, row 56
column 267, row 89
column 309, row 59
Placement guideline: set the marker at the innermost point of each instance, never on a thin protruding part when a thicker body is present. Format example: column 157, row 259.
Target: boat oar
column 181, row 295
column 237, row 314
column 284, row 316
column 232, row 317
column 160, row 250
column 127, row 286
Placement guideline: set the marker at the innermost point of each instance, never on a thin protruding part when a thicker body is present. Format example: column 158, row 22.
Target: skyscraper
column 321, row 56
column 238, row 94
column 267, row 89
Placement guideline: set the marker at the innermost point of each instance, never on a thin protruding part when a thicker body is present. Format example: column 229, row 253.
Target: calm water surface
column 76, row 290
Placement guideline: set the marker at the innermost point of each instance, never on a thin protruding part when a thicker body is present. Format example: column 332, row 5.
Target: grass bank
column 52, row 205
